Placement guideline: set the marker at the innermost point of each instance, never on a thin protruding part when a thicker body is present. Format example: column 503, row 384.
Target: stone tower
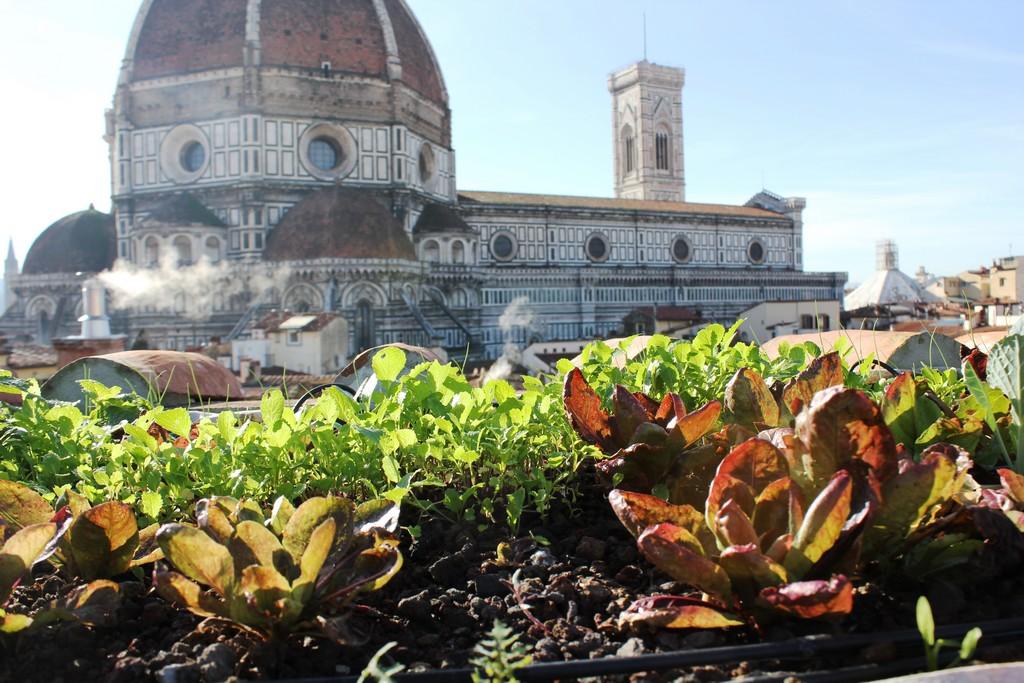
column 647, row 120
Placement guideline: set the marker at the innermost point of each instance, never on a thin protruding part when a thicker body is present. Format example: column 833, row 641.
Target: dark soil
column 577, row 572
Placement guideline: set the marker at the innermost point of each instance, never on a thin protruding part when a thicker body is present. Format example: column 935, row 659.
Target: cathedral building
column 297, row 155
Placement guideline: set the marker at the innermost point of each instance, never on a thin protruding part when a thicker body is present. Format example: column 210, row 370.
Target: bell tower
column 647, row 130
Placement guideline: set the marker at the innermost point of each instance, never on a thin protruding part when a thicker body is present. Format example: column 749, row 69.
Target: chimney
column 95, row 323
column 95, row 339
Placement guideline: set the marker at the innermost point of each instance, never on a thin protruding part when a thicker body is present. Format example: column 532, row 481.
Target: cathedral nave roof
column 607, row 203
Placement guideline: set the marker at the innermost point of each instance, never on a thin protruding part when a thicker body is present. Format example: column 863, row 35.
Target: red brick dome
column 341, row 223
column 82, row 242
column 365, row 38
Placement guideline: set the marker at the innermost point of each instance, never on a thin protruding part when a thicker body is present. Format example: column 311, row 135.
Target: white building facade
column 298, row 156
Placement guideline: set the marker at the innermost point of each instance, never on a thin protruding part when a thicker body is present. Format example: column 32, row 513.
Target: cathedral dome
column 82, row 242
column 377, row 39
column 339, row 222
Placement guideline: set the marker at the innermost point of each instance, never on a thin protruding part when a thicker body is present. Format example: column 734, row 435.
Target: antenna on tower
column 645, row 36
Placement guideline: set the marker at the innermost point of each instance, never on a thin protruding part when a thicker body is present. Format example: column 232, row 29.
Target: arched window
column 212, row 249
column 662, row 153
column 458, row 252
column 152, row 251
column 365, row 333
column 431, row 252
column 183, row 250
column 628, row 150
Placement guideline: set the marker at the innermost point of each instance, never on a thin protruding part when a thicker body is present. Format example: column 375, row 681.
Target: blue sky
column 896, row 120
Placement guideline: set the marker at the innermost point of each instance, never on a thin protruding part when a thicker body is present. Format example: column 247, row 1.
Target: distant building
column 302, row 153
column 888, row 286
column 772, row 319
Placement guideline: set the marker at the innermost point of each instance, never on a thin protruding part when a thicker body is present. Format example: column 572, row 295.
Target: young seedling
column 499, row 656
column 932, row 646
column 375, row 671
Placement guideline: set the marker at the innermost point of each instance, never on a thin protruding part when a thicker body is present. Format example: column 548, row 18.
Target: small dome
column 440, row 218
column 183, row 210
column 82, row 242
column 340, row 222
column 378, row 39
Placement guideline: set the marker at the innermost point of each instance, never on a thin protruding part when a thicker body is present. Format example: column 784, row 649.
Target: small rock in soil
column 590, row 548
column 217, row 662
column 127, row 670
column 448, row 570
column 180, row 673
column 543, row 558
column 547, row 649
column 416, row 607
column 490, row 585
column 630, row 575
column 634, row 647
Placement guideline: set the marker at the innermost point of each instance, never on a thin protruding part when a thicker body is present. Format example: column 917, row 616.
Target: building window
column 193, row 156
column 458, row 252
column 597, row 248
column 183, row 250
column 755, row 251
column 824, row 323
column 806, row 322
column 661, row 151
column 294, row 338
column 681, row 250
column 258, row 237
column 212, row 248
column 431, row 252
column 503, row 246
column 630, row 153
column 365, row 333
column 324, row 154
column 427, row 164
column 152, row 251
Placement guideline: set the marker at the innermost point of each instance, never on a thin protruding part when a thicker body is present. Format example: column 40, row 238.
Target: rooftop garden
column 697, row 496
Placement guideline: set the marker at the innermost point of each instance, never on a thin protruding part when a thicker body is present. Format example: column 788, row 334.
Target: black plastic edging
column 804, row 647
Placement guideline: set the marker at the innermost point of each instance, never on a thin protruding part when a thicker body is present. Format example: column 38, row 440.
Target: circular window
column 183, row 154
column 681, row 250
column 193, row 156
column 597, row 248
column 503, row 246
column 324, row 154
column 755, row 252
column 427, row 165
column 328, row 151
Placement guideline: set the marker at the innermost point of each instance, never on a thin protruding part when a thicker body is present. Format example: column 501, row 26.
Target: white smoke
column 517, row 316
column 194, row 292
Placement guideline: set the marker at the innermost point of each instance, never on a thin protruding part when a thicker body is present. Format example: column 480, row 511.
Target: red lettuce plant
column 790, row 515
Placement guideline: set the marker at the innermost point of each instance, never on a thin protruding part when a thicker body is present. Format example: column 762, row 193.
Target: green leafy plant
column 375, row 671
column 499, row 656
column 25, row 548
column 918, row 418
column 415, row 436
column 301, row 567
column 95, row 542
column 933, row 646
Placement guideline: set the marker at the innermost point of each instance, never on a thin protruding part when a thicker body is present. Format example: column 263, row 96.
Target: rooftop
column 608, row 203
